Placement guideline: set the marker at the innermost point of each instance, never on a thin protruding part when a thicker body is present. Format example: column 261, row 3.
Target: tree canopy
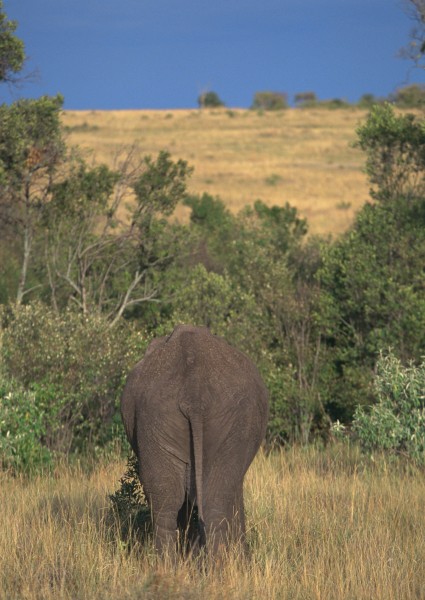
column 12, row 51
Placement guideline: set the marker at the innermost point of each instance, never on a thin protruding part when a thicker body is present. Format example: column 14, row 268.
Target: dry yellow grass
column 304, row 157
column 321, row 526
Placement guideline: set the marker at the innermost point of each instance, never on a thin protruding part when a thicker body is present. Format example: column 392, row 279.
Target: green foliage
column 84, row 194
column 410, row 96
column 12, row 53
column 161, row 185
column 269, row 101
column 372, row 278
column 99, row 246
column 31, row 150
column 214, row 228
column 273, row 179
column 25, row 420
column 368, row 101
column 78, row 365
column 212, row 300
column 334, row 104
column 397, row 421
column 129, row 504
column 373, row 286
column 208, row 212
column 210, row 100
column 280, row 226
column 99, row 257
column 395, row 151
column 30, row 140
column 305, row 99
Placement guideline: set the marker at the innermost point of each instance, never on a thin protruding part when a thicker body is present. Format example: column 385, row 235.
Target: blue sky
column 118, row 54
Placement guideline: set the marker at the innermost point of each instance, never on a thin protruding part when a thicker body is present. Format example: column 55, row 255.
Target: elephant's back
column 193, row 367
column 210, row 371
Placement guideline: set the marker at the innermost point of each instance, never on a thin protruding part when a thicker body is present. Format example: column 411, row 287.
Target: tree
column 368, row 100
column 372, row 279
column 101, row 255
column 210, row 100
column 75, row 367
column 208, row 299
column 373, row 288
column 410, row 96
column 31, row 151
column 12, row 54
column 415, row 49
column 305, row 99
column 395, row 155
column 396, row 422
column 269, row 101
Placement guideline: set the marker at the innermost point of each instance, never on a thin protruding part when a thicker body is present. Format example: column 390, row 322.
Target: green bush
column 395, row 157
column 372, row 283
column 397, row 421
column 129, row 505
column 334, row 104
column 410, row 96
column 270, row 101
column 76, row 364
column 25, row 421
column 305, row 99
column 208, row 299
column 210, row 100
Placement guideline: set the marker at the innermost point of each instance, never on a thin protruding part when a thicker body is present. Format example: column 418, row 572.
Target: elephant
column 195, row 411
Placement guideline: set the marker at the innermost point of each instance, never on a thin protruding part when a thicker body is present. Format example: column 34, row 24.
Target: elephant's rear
column 226, row 403
column 195, row 411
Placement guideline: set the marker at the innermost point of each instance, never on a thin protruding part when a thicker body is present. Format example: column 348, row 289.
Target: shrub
column 129, row 505
column 208, row 299
column 24, row 425
column 397, row 421
column 78, row 365
column 305, row 99
column 394, row 147
column 335, row 103
column 367, row 101
column 372, row 285
column 270, row 101
column 410, row 96
column 210, row 100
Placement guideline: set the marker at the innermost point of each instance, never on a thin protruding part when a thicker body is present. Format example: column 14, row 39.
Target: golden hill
column 304, row 157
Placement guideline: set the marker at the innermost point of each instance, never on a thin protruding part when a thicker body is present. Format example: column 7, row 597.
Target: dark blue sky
column 114, row 54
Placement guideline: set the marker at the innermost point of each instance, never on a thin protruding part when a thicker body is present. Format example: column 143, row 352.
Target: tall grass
column 322, row 524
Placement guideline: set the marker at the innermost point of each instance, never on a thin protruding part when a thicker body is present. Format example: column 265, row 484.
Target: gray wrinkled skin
column 195, row 412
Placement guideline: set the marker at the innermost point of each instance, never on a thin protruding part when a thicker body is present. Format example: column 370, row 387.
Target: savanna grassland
column 301, row 156
column 321, row 524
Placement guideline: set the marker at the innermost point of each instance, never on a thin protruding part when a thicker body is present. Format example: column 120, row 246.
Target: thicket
column 269, row 101
column 210, row 100
column 93, row 267
column 104, row 270
column 397, row 421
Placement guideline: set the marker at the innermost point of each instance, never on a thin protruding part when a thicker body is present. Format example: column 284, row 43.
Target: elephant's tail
column 197, row 436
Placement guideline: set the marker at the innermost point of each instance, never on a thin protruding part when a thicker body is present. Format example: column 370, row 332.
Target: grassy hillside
column 304, row 157
column 323, row 525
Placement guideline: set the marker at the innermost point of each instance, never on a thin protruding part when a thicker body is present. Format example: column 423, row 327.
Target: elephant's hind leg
column 166, row 493
column 165, row 515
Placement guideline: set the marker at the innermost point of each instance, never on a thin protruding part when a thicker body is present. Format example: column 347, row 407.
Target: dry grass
column 322, row 525
column 304, row 157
